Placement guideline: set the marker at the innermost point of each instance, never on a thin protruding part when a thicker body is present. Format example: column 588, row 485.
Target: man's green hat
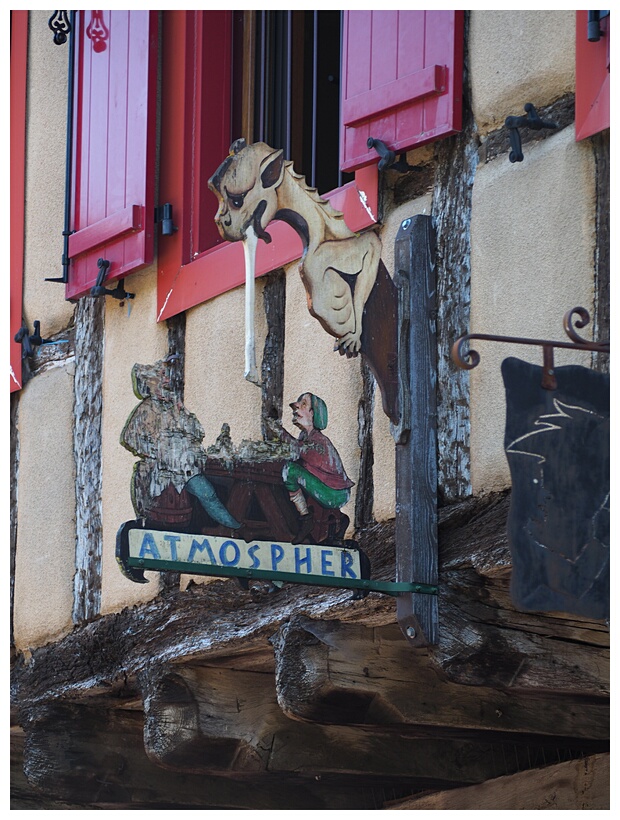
column 319, row 412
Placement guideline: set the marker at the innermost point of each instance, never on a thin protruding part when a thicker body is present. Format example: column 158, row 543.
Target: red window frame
column 187, row 276
column 19, row 62
column 592, row 83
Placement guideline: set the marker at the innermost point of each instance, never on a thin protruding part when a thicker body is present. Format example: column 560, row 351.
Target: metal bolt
column 410, row 632
column 405, row 224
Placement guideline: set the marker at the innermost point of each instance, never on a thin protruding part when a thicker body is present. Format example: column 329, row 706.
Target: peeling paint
column 163, row 307
column 14, row 377
column 364, row 200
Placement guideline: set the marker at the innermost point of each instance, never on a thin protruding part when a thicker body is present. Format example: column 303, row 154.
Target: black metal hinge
column 29, row 341
column 118, row 292
column 388, row 161
column 594, row 25
column 163, row 217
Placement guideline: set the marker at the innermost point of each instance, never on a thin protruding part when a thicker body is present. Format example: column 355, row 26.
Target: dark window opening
column 296, row 98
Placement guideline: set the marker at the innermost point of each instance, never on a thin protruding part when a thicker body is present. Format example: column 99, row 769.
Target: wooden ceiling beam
column 335, row 673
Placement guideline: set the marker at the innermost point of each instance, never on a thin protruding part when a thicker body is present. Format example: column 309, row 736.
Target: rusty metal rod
column 470, row 359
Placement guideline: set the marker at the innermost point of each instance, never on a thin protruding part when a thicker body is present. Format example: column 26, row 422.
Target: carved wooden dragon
column 339, row 268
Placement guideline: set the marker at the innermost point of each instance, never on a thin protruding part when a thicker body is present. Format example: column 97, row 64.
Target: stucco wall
column 532, row 234
column 215, row 389
column 131, row 335
column 45, row 552
column 516, row 58
column 46, row 145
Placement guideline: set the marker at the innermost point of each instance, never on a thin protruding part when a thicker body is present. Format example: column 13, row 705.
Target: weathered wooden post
column 416, row 433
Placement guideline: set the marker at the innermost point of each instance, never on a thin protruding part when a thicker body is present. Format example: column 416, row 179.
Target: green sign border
column 394, row 588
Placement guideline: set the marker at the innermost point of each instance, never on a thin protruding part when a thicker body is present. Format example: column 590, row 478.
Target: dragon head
column 245, row 185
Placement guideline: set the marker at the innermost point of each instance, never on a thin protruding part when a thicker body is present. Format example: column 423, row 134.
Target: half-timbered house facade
column 166, row 649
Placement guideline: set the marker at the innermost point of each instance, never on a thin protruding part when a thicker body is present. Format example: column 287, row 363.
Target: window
column 264, row 75
column 297, row 91
column 270, row 102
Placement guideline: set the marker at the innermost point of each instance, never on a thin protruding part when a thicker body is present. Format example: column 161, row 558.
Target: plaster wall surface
column 45, row 178
column 45, row 554
column 312, row 366
column 131, row 336
column 533, row 238
column 215, row 388
column 516, row 58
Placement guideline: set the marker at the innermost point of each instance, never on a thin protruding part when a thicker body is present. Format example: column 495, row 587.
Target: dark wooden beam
column 416, row 434
column 569, row 786
column 272, row 367
column 336, row 673
column 90, row 755
column 224, row 721
column 219, row 621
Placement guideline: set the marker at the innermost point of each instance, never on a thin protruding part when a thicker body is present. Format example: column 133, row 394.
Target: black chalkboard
column 557, row 446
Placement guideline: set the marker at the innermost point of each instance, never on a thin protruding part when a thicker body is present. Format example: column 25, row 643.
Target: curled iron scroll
column 467, row 359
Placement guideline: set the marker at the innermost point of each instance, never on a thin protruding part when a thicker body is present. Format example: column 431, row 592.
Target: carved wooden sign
column 269, row 509
column 348, row 288
column 216, row 555
column 273, row 509
column 557, row 445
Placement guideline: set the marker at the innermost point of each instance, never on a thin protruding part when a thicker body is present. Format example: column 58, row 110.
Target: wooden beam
column 484, row 641
column 88, row 755
column 416, row 434
column 575, row 784
column 87, row 449
column 335, row 673
column 223, row 721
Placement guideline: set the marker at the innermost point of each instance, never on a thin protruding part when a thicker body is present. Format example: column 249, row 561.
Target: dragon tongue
column 249, row 251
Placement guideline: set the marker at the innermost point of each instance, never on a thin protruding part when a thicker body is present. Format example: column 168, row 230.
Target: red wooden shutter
column 591, row 79
column 113, row 165
column 19, row 48
column 402, row 78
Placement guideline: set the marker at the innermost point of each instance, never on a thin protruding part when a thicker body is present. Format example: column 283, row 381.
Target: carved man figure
column 319, row 469
column 168, row 440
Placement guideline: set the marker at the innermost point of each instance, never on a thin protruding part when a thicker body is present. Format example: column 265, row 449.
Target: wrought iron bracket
column 60, row 25
column 388, row 161
column 118, row 292
column 29, row 341
column 530, row 120
column 468, row 359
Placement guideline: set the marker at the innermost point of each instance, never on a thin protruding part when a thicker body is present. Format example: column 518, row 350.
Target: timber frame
column 210, row 696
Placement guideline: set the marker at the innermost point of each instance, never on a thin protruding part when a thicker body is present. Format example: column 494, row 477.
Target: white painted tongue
column 249, row 251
